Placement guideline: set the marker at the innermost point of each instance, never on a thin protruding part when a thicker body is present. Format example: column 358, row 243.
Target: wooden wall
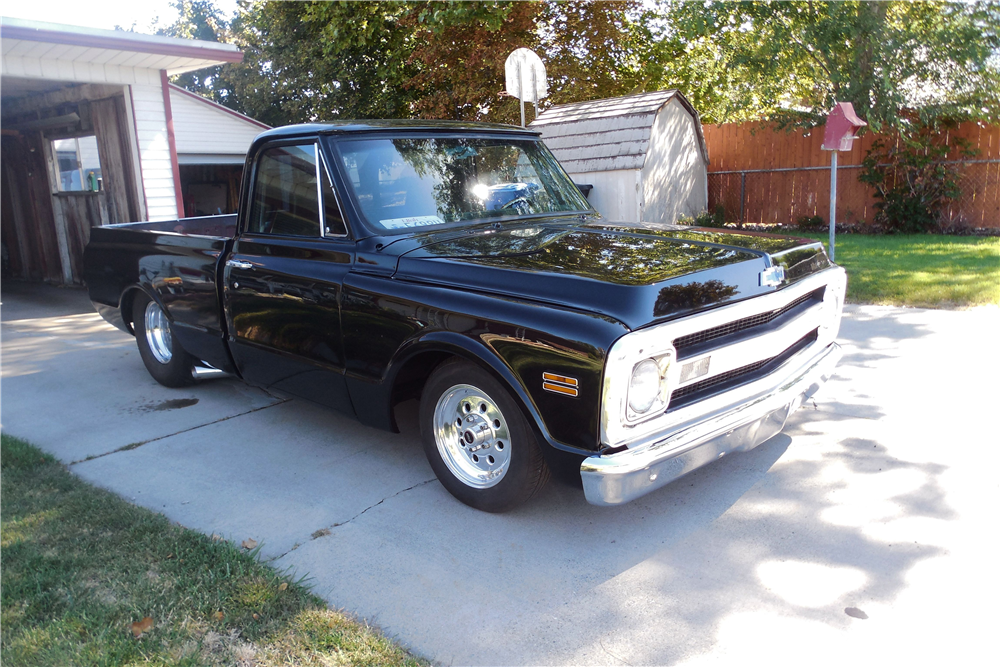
column 27, row 221
column 117, row 167
column 784, row 175
column 75, row 214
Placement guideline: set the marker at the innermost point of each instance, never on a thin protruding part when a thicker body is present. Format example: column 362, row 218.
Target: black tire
column 175, row 371
column 492, row 424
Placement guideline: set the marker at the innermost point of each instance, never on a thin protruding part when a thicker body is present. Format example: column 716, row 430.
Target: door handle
column 238, row 264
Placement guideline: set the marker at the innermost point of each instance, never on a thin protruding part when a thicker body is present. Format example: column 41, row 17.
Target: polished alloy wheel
column 158, row 333
column 471, row 436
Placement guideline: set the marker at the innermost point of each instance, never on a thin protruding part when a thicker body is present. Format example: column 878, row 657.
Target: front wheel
column 164, row 358
column 477, row 439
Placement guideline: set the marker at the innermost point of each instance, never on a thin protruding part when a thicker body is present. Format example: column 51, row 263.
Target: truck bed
column 177, row 260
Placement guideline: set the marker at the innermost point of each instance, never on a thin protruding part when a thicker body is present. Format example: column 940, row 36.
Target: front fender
column 514, row 340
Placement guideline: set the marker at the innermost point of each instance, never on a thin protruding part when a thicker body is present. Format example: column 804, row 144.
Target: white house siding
column 154, row 152
column 615, row 194
column 200, row 128
column 675, row 177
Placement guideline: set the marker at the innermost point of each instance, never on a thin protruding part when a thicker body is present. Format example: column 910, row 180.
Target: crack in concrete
column 323, row 532
column 136, row 445
column 344, row 523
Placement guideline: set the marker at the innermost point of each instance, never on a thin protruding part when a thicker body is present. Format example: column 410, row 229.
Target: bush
column 911, row 177
column 706, row 219
column 812, row 223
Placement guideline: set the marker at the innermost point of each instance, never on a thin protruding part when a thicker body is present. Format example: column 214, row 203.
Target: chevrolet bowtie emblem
column 772, row 276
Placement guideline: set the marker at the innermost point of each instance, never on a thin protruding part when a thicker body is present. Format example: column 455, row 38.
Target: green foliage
column 706, row 219
column 309, row 61
column 911, row 176
column 198, row 19
column 785, row 61
column 790, row 61
column 811, row 223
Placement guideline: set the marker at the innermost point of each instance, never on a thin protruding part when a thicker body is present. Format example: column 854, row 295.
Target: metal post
column 534, row 91
column 520, row 89
column 833, row 203
column 743, row 195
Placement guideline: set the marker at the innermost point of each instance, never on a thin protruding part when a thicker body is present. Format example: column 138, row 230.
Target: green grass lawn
column 81, row 566
column 923, row 270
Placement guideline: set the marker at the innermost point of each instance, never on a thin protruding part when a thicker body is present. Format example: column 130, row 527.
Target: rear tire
column 163, row 356
column 477, row 440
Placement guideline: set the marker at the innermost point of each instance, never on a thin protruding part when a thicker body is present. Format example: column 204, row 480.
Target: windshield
column 400, row 184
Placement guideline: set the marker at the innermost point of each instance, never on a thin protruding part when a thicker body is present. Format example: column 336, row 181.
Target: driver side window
column 286, row 199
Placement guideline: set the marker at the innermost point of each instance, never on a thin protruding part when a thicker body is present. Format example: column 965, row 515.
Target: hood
column 636, row 274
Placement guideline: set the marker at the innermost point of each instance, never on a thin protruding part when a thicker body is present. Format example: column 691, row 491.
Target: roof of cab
column 358, row 126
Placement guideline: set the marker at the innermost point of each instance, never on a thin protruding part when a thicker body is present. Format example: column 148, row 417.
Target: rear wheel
column 477, row 439
column 164, row 358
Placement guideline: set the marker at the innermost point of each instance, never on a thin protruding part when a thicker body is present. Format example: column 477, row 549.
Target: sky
column 103, row 13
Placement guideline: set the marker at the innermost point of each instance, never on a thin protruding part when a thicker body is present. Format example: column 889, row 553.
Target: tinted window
column 285, row 200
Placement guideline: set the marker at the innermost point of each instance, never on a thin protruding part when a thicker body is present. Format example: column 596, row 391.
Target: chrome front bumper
column 626, row 475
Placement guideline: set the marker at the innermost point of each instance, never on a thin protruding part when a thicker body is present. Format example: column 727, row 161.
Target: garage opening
column 67, row 165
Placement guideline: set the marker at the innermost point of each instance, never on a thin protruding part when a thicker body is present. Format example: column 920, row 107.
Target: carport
column 88, row 137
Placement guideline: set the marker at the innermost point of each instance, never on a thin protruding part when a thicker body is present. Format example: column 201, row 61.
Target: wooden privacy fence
column 763, row 175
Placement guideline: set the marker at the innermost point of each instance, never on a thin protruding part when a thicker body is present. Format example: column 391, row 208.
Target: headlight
column 644, row 388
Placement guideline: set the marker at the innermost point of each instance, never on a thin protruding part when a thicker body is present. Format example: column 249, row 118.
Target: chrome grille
column 685, row 343
column 693, row 392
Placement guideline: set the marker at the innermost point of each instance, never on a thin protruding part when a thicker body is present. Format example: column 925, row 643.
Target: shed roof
column 37, row 39
column 608, row 134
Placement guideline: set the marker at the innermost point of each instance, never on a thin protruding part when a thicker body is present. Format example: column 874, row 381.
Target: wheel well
column 128, row 298
column 412, row 377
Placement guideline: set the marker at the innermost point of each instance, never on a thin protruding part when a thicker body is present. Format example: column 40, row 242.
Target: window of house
column 77, row 164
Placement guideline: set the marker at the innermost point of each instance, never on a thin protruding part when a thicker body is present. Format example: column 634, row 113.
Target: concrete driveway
column 880, row 498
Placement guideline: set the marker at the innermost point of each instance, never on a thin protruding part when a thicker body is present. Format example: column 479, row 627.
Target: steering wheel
column 520, row 205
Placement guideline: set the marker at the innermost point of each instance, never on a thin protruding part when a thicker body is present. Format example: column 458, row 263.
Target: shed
column 644, row 155
column 90, row 137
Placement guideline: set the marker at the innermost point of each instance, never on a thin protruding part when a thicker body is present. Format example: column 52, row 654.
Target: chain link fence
column 792, row 195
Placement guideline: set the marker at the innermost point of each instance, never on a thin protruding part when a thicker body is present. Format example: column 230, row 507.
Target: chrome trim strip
column 624, row 476
column 771, row 344
column 319, row 191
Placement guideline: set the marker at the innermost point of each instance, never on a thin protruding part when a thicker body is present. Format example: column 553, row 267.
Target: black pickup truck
column 375, row 262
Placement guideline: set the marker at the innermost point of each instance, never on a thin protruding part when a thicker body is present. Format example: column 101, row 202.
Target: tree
column 198, row 19
column 790, row 61
column 594, row 50
column 308, row 61
column 458, row 57
column 323, row 60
